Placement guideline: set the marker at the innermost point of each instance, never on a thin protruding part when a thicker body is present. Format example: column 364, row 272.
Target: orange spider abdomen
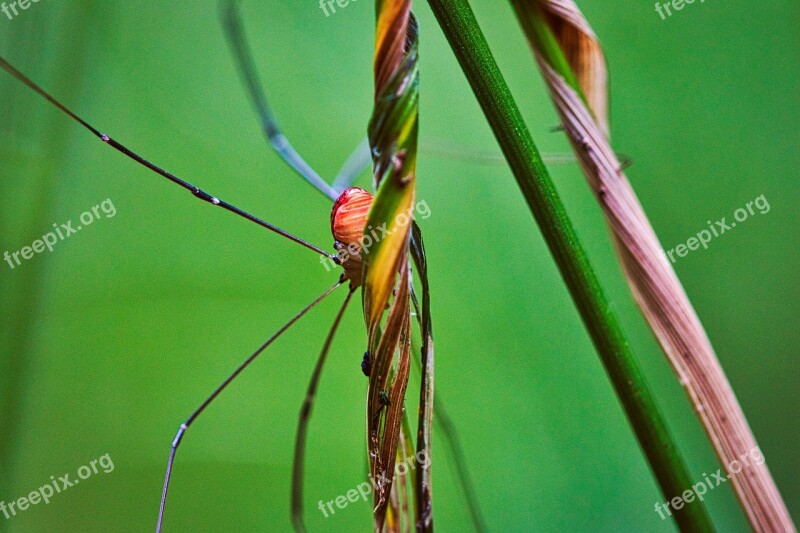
column 348, row 218
column 349, row 215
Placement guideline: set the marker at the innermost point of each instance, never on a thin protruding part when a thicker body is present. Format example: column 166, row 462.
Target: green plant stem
column 472, row 51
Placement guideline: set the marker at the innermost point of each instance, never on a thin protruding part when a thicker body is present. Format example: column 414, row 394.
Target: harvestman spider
column 350, row 209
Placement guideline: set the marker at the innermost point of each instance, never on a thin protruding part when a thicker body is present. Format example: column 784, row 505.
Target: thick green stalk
column 472, row 51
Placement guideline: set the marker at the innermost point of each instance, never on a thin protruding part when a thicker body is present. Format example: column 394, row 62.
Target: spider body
column 348, row 219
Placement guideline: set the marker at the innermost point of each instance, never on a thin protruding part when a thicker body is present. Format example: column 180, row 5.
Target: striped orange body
column 348, row 218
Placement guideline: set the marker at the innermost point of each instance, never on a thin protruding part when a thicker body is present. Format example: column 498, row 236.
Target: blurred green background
column 111, row 340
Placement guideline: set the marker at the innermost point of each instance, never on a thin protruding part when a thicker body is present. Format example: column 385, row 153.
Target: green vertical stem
column 472, row 51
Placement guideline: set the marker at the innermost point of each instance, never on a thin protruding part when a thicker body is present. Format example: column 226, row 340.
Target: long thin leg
column 454, row 443
column 448, row 150
column 198, row 193
column 305, row 415
column 359, row 160
column 361, row 157
column 182, row 430
column 244, row 62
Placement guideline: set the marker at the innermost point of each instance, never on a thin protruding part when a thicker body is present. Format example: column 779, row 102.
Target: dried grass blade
column 653, row 282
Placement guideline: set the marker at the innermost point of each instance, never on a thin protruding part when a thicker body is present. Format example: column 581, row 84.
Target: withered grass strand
column 572, row 62
column 423, row 484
